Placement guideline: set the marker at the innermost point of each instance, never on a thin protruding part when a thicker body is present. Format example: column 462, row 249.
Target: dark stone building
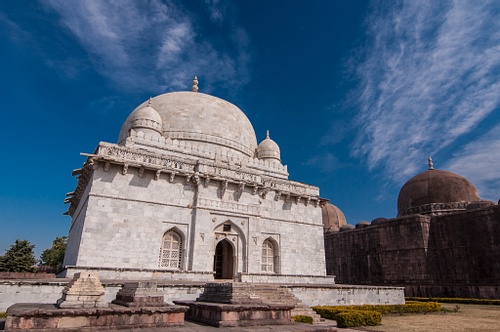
column 445, row 242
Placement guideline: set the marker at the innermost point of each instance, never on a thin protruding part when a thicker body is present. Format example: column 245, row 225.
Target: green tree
column 54, row 256
column 19, row 258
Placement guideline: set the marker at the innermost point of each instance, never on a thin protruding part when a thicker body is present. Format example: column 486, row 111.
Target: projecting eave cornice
column 197, row 171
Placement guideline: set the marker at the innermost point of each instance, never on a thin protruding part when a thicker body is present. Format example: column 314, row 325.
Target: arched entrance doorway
column 224, row 260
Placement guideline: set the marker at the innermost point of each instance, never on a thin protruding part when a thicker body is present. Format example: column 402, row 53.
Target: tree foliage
column 54, row 256
column 18, row 258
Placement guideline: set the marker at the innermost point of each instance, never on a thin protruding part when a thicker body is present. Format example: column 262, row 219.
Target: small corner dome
column 431, row 187
column 268, row 149
column 333, row 218
column 363, row 224
column 146, row 117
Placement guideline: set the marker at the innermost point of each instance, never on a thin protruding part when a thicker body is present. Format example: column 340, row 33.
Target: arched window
column 269, row 260
column 171, row 250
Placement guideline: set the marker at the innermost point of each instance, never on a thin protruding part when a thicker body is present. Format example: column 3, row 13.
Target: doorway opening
column 224, row 260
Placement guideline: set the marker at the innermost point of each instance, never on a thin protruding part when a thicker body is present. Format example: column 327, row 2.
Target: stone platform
column 224, row 315
column 48, row 317
column 238, row 304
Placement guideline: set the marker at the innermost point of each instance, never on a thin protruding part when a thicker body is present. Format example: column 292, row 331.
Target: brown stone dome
column 435, row 192
column 333, row 218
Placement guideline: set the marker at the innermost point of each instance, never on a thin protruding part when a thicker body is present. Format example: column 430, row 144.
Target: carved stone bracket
column 223, row 188
column 277, row 196
column 241, row 188
column 196, row 179
column 157, row 174
column 297, row 199
column 206, row 181
column 141, row 171
column 172, row 176
column 264, row 192
column 255, row 189
column 106, row 166
column 125, row 169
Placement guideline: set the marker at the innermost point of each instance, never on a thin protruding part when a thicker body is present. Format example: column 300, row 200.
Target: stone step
column 277, row 294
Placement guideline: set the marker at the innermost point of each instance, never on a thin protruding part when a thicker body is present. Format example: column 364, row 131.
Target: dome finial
column 149, row 101
column 267, row 134
column 431, row 165
column 195, row 84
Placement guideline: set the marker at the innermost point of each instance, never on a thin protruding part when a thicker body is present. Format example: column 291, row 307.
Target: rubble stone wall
column 454, row 255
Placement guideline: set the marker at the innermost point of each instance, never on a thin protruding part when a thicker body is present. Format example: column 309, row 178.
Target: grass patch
column 371, row 315
column 302, row 319
column 3, row 315
column 468, row 318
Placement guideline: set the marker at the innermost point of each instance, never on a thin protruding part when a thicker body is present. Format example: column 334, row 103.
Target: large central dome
column 194, row 116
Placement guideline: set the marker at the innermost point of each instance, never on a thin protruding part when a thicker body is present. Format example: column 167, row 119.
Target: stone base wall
column 48, row 292
column 27, row 275
column 462, row 291
column 347, row 294
column 453, row 255
column 138, row 274
column 29, row 291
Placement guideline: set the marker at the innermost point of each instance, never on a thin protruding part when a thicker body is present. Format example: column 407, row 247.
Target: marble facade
column 188, row 194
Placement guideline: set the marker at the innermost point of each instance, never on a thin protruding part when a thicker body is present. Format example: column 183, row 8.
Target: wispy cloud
column 479, row 162
column 325, row 162
column 149, row 45
column 216, row 9
column 430, row 74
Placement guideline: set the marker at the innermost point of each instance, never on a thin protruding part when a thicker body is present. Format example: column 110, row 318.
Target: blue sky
column 356, row 93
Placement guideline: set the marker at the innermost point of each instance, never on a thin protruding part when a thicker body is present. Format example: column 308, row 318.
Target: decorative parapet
column 197, row 171
column 434, row 209
column 203, row 151
column 213, row 170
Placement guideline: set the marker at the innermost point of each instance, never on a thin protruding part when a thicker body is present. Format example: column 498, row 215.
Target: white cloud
column 429, row 76
column 479, row 162
column 147, row 45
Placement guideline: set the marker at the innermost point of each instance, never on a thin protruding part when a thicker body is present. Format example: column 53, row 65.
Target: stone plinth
column 47, row 317
column 140, row 294
column 220, row 315
column 229, row 292
column 240, row 304
column 84, row 291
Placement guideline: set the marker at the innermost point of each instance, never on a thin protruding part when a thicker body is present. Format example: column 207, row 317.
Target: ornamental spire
column 267, row 134
column 431, row 165
column 195, row 84
column 149, row 102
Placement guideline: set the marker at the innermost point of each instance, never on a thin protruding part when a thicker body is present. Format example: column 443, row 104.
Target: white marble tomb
column 188, row 194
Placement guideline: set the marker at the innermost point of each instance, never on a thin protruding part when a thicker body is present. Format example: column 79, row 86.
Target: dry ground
column 468, row 318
